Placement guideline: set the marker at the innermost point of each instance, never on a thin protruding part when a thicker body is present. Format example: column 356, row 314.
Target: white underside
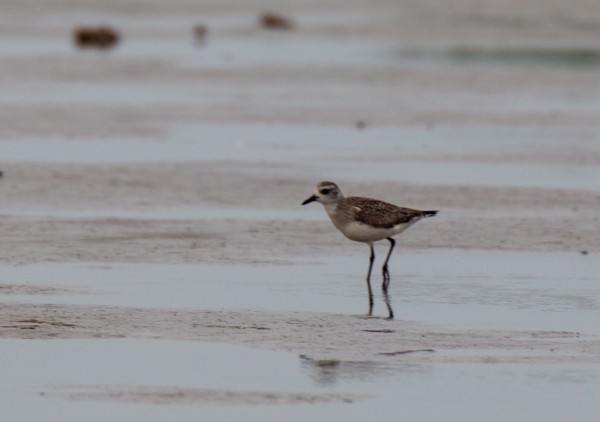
column 361, row 232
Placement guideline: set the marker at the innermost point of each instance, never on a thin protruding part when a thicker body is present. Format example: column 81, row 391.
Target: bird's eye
column 325, row 191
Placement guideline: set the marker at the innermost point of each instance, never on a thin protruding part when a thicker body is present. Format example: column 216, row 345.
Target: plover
column 367, row 220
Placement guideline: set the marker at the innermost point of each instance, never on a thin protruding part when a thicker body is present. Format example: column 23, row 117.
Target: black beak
column 309, row 200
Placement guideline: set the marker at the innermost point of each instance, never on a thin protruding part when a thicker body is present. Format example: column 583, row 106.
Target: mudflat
column 162, row 152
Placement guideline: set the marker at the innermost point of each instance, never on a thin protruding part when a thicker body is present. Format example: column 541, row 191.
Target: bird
column 367, row 220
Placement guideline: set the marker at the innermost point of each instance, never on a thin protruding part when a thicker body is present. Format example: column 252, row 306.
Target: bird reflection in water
column 332, row 371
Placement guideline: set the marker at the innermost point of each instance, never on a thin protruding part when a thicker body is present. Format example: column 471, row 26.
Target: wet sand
column 161, row 152
column 321, row 337
column 120, row 209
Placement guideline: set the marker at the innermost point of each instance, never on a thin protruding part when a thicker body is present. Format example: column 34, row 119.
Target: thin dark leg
column 385, row 271
column 386, row 279
column 371, row 260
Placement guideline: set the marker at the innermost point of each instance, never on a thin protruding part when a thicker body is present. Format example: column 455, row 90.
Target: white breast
column 361, row 232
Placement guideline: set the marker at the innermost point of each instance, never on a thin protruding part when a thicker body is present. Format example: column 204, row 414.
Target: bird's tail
column 429, row 213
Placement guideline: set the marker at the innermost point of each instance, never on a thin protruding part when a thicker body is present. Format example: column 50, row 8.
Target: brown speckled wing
column 382, row 214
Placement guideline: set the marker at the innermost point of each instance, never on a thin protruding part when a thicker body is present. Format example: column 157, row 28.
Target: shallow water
column 40, row 373
column 520, row 56
column 415, row 156
column 458, row 290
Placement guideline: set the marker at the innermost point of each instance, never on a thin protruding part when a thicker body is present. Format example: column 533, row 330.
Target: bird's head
column 325, row 193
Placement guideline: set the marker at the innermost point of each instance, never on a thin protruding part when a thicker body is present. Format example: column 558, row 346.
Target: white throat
column 331, row 208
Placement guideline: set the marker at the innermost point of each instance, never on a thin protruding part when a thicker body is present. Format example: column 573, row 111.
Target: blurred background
column 178, row 63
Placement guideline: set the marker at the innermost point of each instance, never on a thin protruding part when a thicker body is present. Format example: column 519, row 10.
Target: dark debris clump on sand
column 101, row 37
column 270, row 20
